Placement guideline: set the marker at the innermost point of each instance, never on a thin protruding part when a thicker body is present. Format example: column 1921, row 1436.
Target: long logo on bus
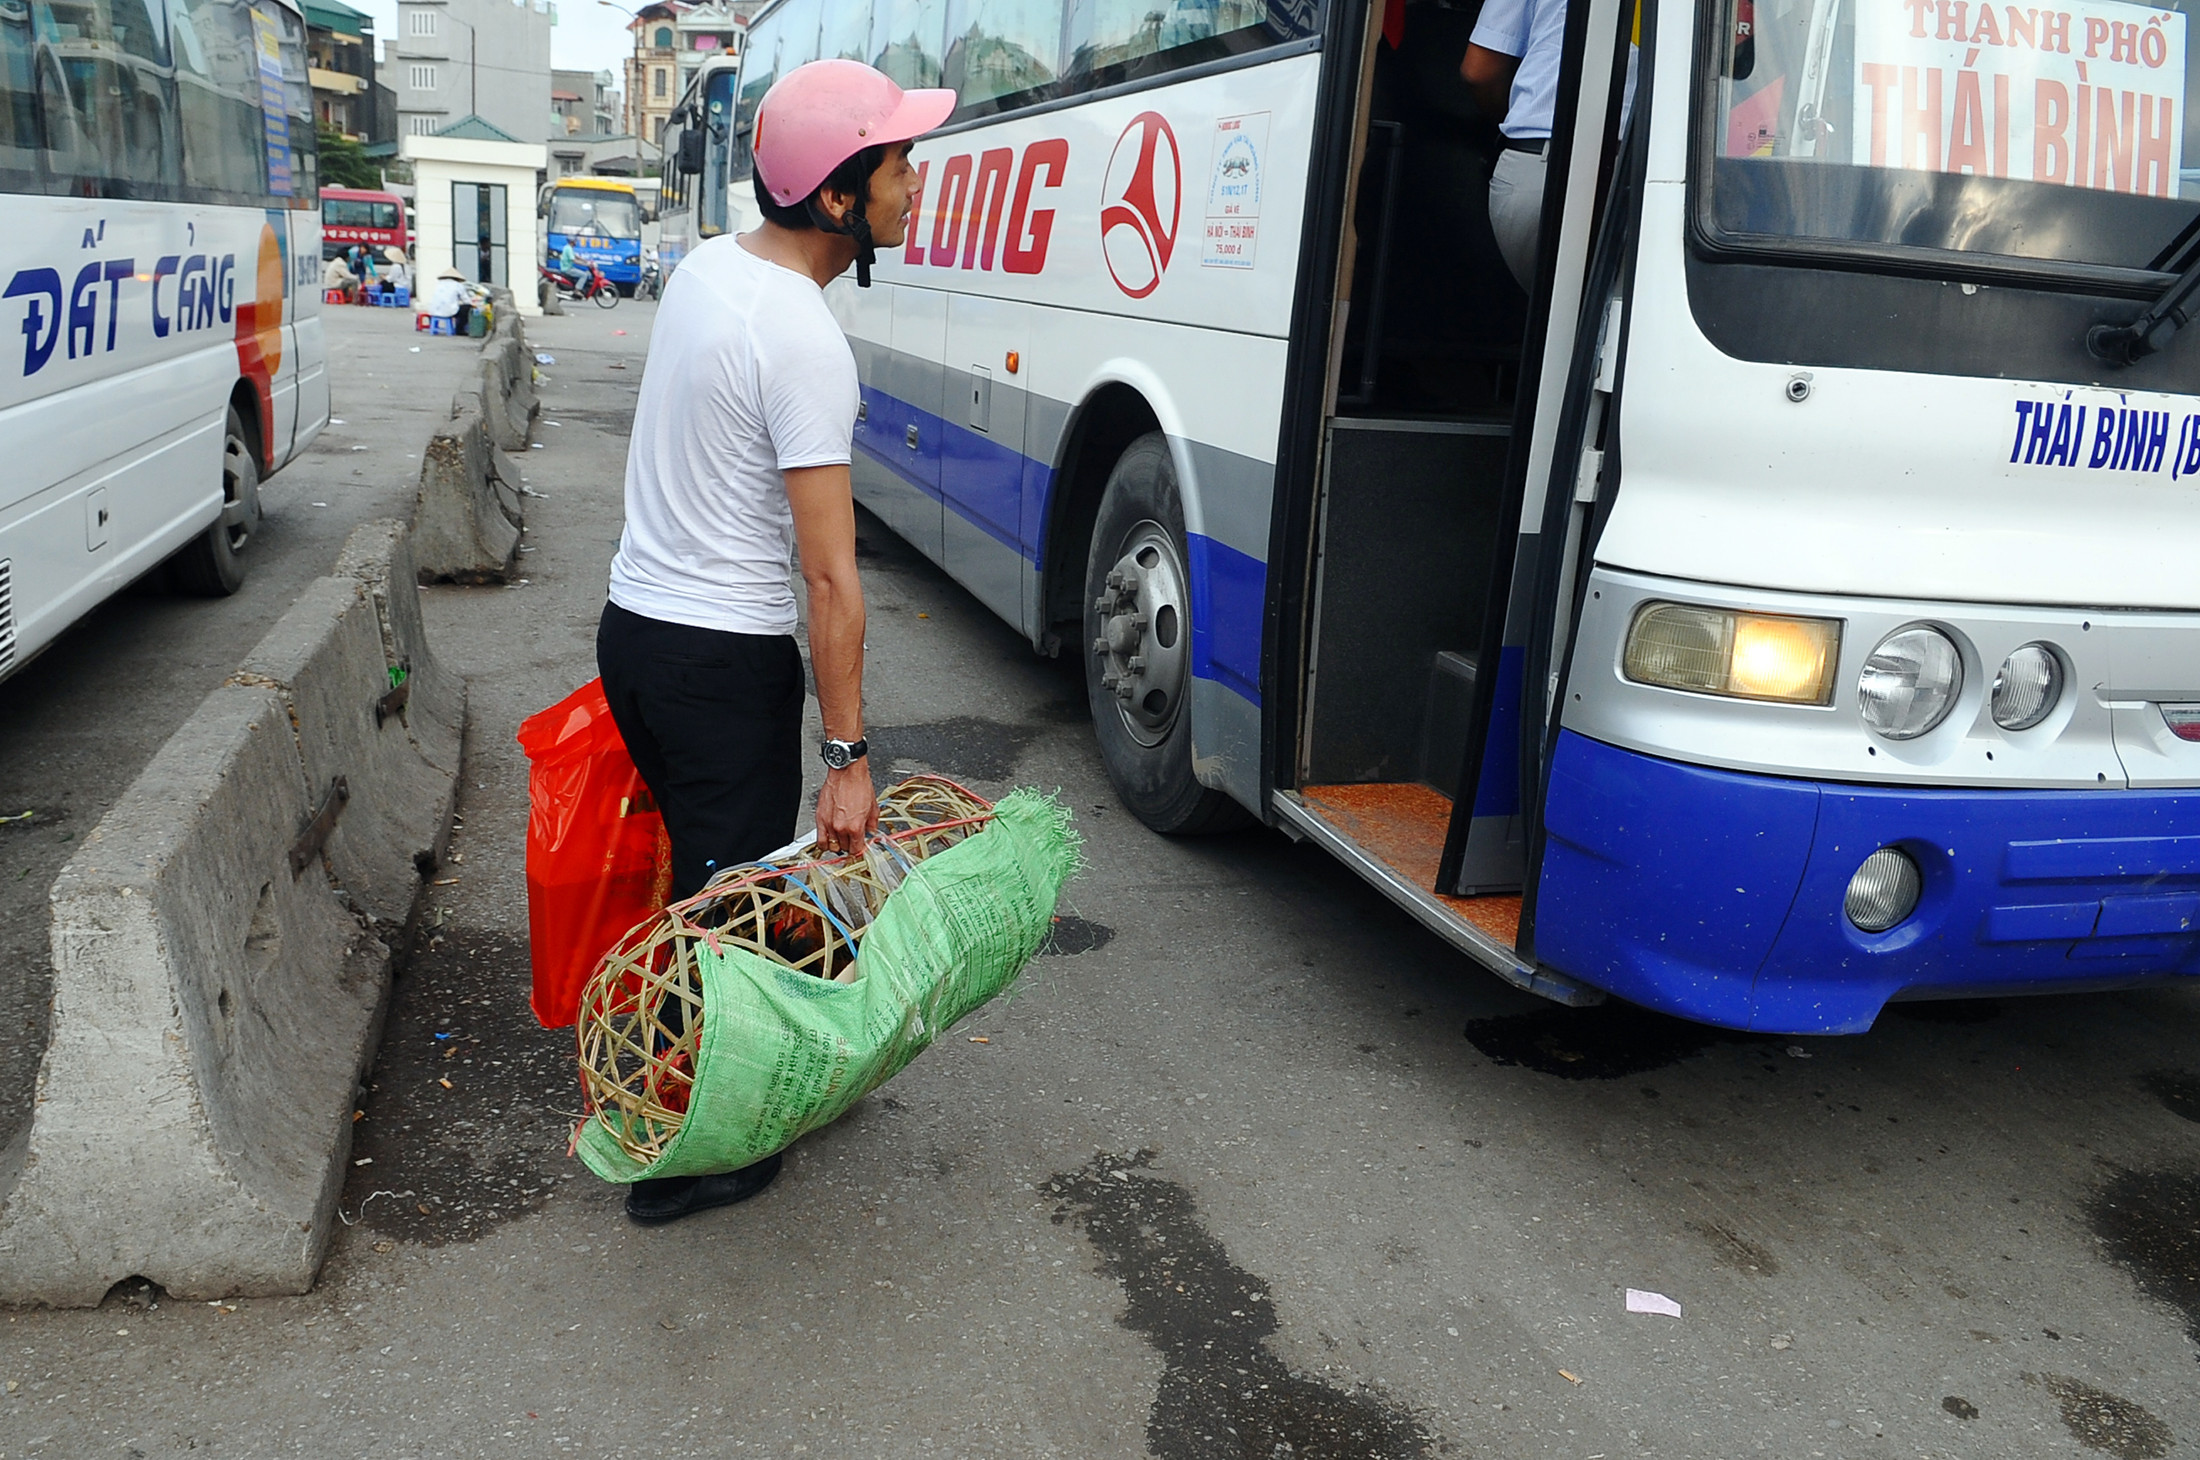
column 1140, row 201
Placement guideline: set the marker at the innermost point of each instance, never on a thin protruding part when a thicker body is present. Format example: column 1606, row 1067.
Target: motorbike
column 652, row 285
column 598, row 288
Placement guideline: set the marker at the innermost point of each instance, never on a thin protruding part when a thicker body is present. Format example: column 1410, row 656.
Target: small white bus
column 1785, row 605
column 160, row 335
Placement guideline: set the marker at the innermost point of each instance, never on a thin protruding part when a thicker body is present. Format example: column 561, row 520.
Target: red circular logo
column 1140, row 199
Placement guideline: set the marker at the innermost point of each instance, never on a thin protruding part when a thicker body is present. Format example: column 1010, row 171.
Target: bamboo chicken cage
column 641, row 1015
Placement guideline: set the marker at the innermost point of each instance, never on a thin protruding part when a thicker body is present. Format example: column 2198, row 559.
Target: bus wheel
column 1138, row 647
column 212, row 565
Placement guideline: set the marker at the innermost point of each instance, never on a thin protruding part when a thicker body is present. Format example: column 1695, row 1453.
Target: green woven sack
column 783, row 1053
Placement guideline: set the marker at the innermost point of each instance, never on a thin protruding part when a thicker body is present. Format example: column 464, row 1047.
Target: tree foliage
column 344, row 164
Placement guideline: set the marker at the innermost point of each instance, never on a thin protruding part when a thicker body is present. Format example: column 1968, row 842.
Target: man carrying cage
column 740, row 453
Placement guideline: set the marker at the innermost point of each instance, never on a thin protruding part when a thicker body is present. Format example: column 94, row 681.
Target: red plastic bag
column 598, row 860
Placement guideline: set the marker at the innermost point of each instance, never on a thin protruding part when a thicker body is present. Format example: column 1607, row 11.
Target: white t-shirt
column 748, row 376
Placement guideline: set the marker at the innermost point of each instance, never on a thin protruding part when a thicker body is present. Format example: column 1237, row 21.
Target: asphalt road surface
column 1249, row 1167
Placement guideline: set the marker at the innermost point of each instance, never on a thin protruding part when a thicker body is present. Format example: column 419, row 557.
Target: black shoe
column 669, row 1198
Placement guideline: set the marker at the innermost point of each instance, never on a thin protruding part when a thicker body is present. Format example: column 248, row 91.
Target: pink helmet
column 818, row 116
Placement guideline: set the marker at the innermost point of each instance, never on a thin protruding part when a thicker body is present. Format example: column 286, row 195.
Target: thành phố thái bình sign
column 2086, row 93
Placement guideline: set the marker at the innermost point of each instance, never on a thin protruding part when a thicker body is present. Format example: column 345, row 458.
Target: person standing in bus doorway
column 1512, row 63
column 740, row 453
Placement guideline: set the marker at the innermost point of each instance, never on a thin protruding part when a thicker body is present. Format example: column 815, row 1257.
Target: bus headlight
column 1910, row 682
column 1750, row 656
column 1884, row 890
column 2026, row 687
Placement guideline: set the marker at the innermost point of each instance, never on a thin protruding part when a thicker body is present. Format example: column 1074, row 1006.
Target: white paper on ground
column 1639, row 1301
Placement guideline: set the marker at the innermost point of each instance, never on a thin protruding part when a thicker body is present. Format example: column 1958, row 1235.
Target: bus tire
column 1138, row 647
column 212, row 564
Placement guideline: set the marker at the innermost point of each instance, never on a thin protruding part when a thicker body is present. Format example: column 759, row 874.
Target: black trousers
column 714, row 723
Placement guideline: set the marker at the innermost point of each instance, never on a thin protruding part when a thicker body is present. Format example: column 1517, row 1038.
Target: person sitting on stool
column 336, row 274
column 449, row 300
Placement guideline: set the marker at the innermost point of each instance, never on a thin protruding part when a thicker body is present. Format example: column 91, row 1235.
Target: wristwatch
column 841, row 754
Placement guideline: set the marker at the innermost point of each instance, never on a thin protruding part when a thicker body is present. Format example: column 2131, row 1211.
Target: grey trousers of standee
column 1516, row 210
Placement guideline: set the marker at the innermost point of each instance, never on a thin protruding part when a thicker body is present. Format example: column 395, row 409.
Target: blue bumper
column 1717, row 895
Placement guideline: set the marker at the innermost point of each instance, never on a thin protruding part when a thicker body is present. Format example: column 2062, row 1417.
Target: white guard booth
column 474, row 195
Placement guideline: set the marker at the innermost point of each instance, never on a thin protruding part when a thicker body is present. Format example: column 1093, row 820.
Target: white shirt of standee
column 748, row 376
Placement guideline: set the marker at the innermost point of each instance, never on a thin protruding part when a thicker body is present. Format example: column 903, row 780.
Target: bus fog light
column 1751, row 656
column 1884, row 890
column 2026, row 687
column 1910, row 682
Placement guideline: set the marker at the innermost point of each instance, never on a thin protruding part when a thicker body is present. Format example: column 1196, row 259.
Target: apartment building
column 481, row 58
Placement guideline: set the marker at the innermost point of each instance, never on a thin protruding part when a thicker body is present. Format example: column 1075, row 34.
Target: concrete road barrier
column 221, row 949
column 325, row 658
column 508, row 397
column 461, row 532
column 469, row 516
column 379, row 556
column 214, row 1007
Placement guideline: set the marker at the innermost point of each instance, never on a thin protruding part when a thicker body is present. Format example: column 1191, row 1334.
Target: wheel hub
column 240, row 494
column 1143, row 626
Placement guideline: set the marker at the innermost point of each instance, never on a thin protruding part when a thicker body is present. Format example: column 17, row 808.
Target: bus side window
column 1000, row 48
column 847, row 32
column 218, row 76
column 21, row 134
column 106, row 105
column 1107, row 34
column 305, row 181
column 799, row 24
column 907, row 38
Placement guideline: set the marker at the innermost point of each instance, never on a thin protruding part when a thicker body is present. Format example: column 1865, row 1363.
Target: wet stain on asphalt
column 1607, row 1042
column 1072, row 936
column 456, row 1162
column 2106, row 1422
column 2149, row 1224
column 1737, row 1251
column 1222, row 1393
column 964, row 749
column 2178, row 1090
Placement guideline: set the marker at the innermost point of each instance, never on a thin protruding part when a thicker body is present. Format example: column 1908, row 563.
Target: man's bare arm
column 825, row 530
column 1490, row 74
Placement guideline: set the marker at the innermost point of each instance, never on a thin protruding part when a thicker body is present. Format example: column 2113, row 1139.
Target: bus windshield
column 357, row 213
column 2059, row 132
column 594, row 213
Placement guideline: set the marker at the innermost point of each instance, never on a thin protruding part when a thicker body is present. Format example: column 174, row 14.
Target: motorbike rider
column 570, row 265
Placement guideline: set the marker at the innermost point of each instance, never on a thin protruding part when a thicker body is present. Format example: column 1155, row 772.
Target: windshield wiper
column 2128, row 344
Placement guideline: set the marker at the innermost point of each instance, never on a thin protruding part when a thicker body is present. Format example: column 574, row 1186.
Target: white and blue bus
column 1785, row 606
column 159, row 295
column 693, row 199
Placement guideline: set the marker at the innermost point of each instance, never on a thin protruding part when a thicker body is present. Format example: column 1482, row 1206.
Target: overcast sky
column 587, row 37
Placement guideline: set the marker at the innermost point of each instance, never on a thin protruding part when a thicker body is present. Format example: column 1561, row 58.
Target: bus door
column 1445, row 389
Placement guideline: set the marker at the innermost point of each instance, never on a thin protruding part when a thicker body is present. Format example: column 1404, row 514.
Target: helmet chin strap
column 855, row 226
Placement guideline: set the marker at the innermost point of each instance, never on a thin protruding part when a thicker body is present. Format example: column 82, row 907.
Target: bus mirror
column 691, row 150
